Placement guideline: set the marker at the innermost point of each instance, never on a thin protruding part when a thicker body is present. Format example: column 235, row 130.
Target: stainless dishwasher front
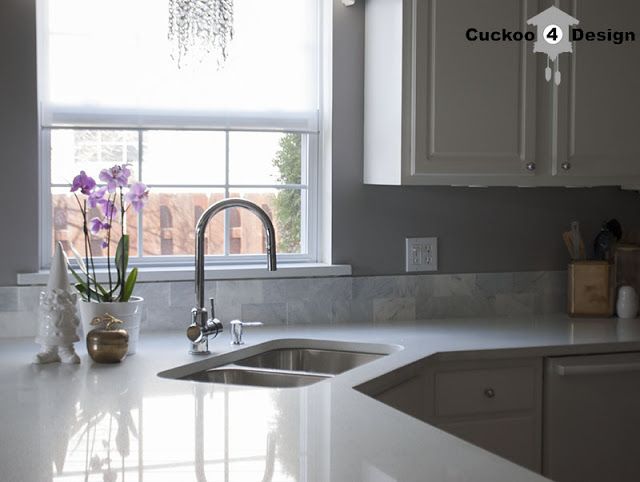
column 591, row 417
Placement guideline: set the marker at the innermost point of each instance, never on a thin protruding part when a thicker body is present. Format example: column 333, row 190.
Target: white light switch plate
column 421, row 254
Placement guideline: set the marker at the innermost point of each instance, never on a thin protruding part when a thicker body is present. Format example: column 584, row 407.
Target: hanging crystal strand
column 199, row 27
column 225, row 23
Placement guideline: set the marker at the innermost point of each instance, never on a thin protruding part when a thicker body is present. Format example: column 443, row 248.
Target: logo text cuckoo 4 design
column 555, row 32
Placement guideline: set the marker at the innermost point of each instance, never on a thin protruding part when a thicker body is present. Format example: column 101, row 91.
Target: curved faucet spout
column 199, row 313
column 201, row 228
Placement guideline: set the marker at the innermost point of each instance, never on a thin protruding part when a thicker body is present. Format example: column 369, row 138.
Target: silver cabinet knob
column 531, row 166
column 489, row 392
column 565, row 166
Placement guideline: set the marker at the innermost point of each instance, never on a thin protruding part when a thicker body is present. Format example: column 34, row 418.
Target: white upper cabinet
column 443, row 110
column 473, row 105
column 599, row 106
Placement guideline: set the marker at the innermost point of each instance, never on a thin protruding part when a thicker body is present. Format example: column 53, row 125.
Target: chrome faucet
column 202, row 325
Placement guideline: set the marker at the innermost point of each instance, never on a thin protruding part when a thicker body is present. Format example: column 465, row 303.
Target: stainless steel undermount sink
column 283, row 363
column 312, row 360
column 255, row 378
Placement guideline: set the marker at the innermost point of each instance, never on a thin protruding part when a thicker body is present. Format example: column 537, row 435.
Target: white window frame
column 315, row 211
column 309, row 205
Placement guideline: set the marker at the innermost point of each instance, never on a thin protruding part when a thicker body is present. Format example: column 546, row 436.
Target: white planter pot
column 130, row 312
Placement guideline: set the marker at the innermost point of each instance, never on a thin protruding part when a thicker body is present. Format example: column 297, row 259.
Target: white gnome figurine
column 58, row 319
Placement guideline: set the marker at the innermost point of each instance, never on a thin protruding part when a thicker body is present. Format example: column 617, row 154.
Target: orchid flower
column 84, row 183
column 97, row 224
column 137, row 196
column 115, row 177
column 96, row 197
column 109, row 208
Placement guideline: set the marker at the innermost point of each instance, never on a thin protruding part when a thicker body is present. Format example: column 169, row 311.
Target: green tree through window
column 288, row 201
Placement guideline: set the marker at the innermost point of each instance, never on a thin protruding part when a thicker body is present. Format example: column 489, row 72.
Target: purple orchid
column 115, row 177
column 97, row 224
column 109, row 208
column 84, row 183
column 137, row 196
column 113, row 207
column 96, row 197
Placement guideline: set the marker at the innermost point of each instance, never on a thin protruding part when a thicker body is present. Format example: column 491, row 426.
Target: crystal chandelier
column 199, row 28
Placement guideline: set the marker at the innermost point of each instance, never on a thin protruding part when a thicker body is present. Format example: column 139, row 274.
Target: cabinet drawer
column 469, row 392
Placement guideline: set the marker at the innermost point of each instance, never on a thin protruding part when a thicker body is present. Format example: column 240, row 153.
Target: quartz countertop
column 124, row 423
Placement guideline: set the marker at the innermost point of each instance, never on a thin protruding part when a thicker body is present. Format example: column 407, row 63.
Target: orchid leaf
column 104, row 295
column 122, row 258
column 127, row 289
column 81, row 284
column 82, row 289
column 78, row 258
column 77, row 276
column 103, row 292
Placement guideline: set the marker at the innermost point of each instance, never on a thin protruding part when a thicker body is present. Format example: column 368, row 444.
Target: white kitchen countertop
column 124, row 423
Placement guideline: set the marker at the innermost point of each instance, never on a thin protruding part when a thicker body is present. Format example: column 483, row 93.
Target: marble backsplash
column 327, row 300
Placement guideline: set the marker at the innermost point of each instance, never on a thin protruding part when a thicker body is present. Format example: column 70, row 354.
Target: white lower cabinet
column 587, row 407
column 515, row 438
column 495, row 404
column 407, row 396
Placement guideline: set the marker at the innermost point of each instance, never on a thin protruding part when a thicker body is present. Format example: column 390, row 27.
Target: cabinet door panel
column 512, row 438
column 474, row 102
column 599, row 100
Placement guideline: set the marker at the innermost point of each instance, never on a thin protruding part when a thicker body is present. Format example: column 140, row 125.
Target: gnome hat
column 58, row 274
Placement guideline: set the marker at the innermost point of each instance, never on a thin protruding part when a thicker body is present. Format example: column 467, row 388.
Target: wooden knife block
column 591, row 289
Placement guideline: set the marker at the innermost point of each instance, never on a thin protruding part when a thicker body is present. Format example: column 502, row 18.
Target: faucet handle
column 212, row 302
column 194, row 331
column 237, row 329
column 202, row 327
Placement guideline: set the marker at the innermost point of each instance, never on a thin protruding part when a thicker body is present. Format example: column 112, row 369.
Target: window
column 110, row 93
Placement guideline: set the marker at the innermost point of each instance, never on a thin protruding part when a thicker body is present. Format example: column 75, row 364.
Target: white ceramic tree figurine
column 57, row 317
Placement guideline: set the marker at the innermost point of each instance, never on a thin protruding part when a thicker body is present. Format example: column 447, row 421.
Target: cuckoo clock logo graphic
column 553, row 38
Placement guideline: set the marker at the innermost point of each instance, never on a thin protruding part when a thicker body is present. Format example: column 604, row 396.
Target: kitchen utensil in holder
column 591, row 289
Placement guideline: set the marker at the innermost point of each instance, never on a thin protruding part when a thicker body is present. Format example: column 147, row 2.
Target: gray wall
column 497, row 229
column 18, row 140
column 479, row 229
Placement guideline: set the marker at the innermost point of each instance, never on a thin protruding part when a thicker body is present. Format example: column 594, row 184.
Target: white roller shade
column 107, row 63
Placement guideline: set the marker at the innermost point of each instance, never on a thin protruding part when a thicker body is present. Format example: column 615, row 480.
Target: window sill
column 186, row 273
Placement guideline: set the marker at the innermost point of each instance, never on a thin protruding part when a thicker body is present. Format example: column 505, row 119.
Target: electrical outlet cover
column 421, row 254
